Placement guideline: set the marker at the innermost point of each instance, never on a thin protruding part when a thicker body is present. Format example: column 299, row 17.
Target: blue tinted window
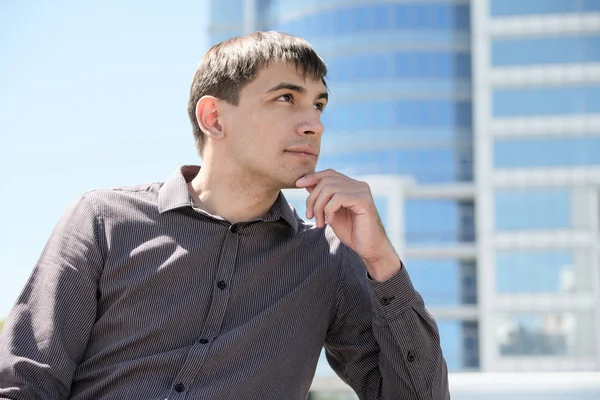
column 450, row 340
column 402, row 113
column 546, row 101
column 459, row 342
column 425, row 64
column 438, row 221
column 547, row 50
column 525, row 7
column 532, row 208
column 522, row 272
column 433, row 164
column 565, row 334
column 443, row 282
column 549, row 151
column 379, row 17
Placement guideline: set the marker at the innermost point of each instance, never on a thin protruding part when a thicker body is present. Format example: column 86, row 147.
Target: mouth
column 304, row 153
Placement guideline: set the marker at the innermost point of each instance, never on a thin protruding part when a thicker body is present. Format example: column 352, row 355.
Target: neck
column 230, row 195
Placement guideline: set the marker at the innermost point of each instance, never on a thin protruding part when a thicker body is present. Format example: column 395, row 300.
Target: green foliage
column 1, row 324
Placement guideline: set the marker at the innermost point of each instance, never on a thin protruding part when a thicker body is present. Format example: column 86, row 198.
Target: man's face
column 274, row 133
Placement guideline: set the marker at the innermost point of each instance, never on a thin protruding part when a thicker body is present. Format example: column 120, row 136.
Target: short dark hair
column 230, row 65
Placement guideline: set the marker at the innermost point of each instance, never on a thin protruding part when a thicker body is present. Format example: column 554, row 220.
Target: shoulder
column 123, row 200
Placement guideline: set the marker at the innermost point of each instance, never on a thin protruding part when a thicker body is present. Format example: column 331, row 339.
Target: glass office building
column 478, row 125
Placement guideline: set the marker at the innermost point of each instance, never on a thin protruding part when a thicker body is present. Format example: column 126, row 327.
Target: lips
column 304, row 150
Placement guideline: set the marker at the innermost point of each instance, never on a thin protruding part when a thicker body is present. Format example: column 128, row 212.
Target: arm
column 382, row 341
column 47, row 331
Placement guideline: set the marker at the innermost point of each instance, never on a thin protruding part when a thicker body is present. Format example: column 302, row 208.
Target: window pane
column 542, row 271
column 538, row 208
column 423, row 64
column 545, row 50
column 526, row 7
column 548, row 151
column 546, row 334
column 460, row 345
column 435, row 222
column 375, row 114
column 377, row 17
column 444, row 283
column 546, row 101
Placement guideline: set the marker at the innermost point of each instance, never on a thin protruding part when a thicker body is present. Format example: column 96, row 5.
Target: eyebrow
column 296, row 88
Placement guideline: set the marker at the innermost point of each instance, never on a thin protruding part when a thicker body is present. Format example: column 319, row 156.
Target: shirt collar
column 174, row 194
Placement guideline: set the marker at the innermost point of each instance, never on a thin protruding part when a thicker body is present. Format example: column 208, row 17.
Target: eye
column 320, row 106
column 286, row 97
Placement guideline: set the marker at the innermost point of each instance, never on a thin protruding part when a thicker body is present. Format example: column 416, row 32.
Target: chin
column 289, row 181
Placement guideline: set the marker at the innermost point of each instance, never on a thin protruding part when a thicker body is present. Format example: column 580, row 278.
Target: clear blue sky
column 93, row 94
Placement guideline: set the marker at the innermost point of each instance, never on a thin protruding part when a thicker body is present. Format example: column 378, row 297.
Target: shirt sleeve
column 383, row 342
column 46, row 332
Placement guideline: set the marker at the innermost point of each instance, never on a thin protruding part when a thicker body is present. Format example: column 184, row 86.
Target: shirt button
column 221, row 285
column 234, row 228
column 410, row 356
column 203, row 341
column 179, row 388
column 387, row 300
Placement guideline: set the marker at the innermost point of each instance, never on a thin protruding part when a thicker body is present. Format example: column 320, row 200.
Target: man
column 209, row 286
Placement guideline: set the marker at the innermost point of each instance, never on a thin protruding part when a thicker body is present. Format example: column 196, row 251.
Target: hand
column 347, row 205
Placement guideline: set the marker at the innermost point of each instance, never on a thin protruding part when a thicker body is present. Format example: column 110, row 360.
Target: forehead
column 275, row 73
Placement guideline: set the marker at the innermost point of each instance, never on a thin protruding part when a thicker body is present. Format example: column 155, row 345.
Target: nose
column 311, row 125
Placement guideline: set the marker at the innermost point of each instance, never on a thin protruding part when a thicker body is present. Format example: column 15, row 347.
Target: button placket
column 216, row 312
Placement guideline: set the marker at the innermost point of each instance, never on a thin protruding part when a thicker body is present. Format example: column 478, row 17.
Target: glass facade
column 535, row 271
column 503, row 8
column 544, row 271
column 545, row 101
column 532, row 209
column 459, row 344
column 435, row 222
column 444, row 282
column 567, row 334
column 545, row 50
column 366, row 18
column 400, row 80
column 547, row 151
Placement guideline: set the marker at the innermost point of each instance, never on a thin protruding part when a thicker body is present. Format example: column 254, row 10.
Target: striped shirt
column 138, row 294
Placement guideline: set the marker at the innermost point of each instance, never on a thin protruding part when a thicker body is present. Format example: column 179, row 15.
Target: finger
column 314, row 178
column 314, row 191
column 325, row 196
column 356, row 202
column 332, row 207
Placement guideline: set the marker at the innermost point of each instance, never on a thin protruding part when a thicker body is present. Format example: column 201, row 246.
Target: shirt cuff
column 393, row 296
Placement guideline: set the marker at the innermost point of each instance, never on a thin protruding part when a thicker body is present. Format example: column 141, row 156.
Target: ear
column 207, row 115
